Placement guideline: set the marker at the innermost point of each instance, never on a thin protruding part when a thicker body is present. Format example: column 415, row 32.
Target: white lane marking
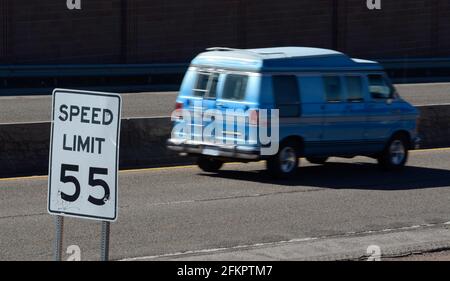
column 284, row 242
column 49, row 120
column 431, row 104
column 150, row 93
column 172, row 203
column 25, row 122
column 206, row 251
column 422, row 84
column 255, row 195
column 48, row 97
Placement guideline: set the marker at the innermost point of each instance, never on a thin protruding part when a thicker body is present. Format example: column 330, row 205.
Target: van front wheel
column 209, row 164
column 285, row 163
column 395, row 154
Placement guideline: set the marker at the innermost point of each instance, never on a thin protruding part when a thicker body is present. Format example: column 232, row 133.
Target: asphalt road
column 37, row 108
column 21, row 109
column 178, row 209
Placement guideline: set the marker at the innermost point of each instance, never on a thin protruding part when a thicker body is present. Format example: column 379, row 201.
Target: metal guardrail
column 415, row 63
column 417, row 70
column 42, row 79
column 9, row 71
column 30, row 79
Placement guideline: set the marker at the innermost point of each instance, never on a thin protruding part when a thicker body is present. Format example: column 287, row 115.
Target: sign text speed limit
column 84, row 154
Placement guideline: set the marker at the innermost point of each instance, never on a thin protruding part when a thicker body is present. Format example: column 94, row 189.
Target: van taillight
column 253, row 118
column 178, row 105
column 178, row 112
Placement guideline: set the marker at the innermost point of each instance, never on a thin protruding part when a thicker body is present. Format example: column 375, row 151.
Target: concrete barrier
column 24, row 147
column 142, row 143
column 434, row 125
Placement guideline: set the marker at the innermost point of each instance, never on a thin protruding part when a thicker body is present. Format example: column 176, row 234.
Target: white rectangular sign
column 84, row 154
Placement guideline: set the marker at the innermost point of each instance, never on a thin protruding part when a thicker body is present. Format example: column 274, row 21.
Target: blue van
column 328, row 105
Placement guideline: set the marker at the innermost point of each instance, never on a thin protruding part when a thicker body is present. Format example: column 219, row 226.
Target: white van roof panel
column 282, row 59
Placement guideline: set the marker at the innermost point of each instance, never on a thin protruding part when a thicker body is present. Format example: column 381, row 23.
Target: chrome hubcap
column 287, row 159
column 397, row 152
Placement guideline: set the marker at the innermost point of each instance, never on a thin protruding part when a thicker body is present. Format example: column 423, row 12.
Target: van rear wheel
column 208, row 164
column 395, row 154
column 285, row 163
column 317, row 160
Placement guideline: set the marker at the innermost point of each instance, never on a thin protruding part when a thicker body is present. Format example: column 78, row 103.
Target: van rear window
column 235, row 87
column 206, row 85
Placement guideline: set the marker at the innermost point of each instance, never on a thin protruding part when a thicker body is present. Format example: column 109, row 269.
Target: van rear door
column 234, row 100
column 204, row 98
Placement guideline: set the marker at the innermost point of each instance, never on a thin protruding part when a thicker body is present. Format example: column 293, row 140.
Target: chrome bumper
column 214, row 150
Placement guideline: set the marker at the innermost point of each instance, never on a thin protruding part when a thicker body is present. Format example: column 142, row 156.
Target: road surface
column 20, row 109
column 173, row 210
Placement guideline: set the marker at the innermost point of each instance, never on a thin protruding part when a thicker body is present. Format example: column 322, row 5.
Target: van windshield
column 235, row 87
column 206, row 85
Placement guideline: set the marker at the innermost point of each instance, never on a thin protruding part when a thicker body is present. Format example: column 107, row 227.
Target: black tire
column 208, row 164
column 395, row 154
column 281, row 169
column 317, row 160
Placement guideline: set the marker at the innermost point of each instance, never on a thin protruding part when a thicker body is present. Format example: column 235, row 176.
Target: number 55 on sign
column 84, row 154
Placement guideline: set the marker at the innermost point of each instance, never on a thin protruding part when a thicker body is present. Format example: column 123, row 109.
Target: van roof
column 281, row 59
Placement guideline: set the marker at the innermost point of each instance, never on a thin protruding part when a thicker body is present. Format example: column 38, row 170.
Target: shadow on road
column 362, row 176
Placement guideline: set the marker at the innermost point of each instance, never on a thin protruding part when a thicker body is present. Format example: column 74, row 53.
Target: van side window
column 354, row 88
column 235, row 87
column 379, row 88
column 333, row 89
column 287, row 96
column 206, row 85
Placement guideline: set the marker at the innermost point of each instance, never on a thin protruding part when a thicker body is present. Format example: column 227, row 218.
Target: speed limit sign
column 84, row 154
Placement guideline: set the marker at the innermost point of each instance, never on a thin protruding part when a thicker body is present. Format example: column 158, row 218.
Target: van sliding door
column 344, row 115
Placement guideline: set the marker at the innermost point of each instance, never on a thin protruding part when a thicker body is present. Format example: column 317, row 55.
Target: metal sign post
column 106, row 227
column 59, row 226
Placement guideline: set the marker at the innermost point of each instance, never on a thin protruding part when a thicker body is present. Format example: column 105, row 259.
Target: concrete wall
column 24, row 148
column 434, row 125
column 149, row 31
column 142, row 143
